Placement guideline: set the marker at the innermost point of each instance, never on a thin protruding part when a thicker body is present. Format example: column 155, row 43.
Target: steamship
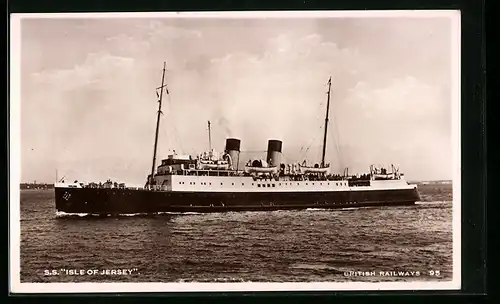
column 214, row 182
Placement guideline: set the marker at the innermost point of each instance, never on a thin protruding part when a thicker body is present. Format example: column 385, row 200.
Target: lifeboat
column 261, row 169
column 217, row 165
column 383, row 176
column 260, row 166
column 315, row 169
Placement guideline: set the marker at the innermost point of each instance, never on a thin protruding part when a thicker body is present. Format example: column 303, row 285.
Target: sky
column 88, row 100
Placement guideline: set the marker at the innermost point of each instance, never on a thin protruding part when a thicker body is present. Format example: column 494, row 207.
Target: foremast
column 326, row 123
column 160, row 99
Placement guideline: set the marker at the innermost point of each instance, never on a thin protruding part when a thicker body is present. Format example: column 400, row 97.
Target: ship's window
column 180, row 183
column 320, row 184
column 274, row 185
column 337, row 184
column 252, row 184
column 232, row 184
column 194, row 183
column 209, row 184
column 279, row 184
column 258, row 185
column 297, row 184
column 313, row 184
column 242, row 184
column 269, row 185
column 328, row 184
column 307, row 184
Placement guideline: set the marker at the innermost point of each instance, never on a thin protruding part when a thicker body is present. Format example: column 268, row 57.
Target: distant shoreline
column 33, row 186
column 438, row 182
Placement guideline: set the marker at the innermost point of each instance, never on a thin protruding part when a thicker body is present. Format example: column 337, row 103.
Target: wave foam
column 65, row 214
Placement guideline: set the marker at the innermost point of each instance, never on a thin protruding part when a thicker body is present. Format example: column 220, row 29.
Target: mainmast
column 209, row 138
column 163, row 85
column 326, row 123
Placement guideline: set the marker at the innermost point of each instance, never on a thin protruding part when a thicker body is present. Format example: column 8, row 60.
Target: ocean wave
column 317, row 267
column 181, row 213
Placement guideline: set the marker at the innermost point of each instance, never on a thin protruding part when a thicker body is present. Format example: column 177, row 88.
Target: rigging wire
column 337, row 140
column 253, row 151
column 337, row 143
column 303, row 152
column 170, row 122
column 176, row 133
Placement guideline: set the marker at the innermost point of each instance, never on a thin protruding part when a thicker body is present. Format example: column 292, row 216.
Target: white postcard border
column 14, row 157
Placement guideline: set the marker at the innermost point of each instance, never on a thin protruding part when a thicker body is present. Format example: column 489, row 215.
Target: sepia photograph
column 235, row 151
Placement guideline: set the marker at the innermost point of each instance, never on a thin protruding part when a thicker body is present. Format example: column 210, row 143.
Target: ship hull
column 133, row 201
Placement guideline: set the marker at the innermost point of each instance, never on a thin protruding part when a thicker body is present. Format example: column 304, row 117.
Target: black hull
column 127, row 201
